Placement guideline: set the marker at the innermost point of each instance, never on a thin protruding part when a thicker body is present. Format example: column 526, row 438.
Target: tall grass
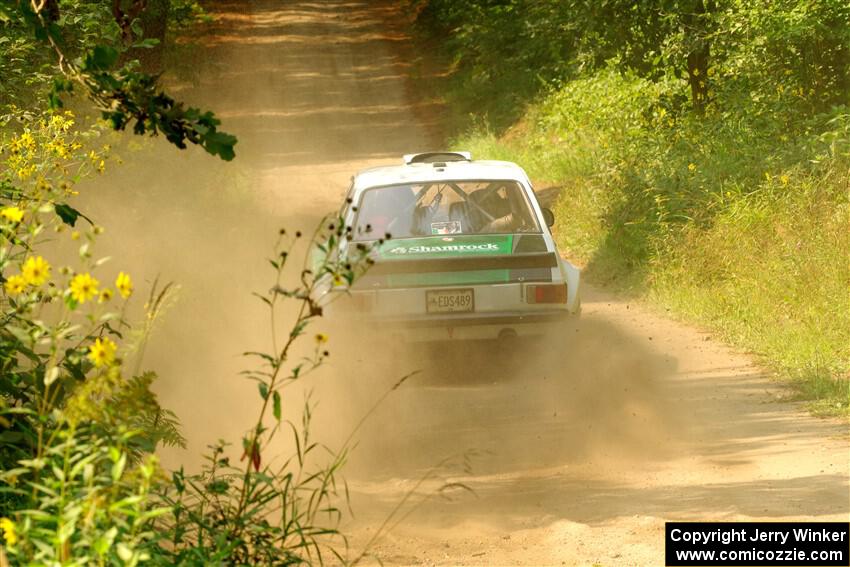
column 737, row 220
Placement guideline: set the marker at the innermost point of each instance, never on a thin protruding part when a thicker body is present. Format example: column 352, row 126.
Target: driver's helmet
column 494, row 201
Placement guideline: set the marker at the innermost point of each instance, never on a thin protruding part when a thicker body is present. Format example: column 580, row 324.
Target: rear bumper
column 479, row 319
column 481, row 326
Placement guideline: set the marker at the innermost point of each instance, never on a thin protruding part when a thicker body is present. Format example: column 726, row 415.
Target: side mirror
column 548, row 217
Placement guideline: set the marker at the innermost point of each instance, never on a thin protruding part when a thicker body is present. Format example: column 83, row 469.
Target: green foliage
column 183, row 14
column 129, row 95
column 41, row 164
column 82, row 46
column 736, row 219
column 506, row 52
column 28, row 66
column 801, row 47
column 59, row 338
column 732, row 212
column 76, row 435
column 79, row 482
column 771, row 274
column 88, row 502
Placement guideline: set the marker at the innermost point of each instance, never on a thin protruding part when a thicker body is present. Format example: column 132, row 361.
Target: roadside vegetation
column 701, row 149
column 80, row 483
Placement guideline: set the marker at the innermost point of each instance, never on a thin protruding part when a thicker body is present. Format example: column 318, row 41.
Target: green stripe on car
column 447, row 247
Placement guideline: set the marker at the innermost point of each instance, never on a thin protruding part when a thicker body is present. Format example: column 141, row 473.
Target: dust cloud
column 523, row 404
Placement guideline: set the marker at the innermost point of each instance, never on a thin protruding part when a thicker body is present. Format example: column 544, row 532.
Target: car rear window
column 448, row 207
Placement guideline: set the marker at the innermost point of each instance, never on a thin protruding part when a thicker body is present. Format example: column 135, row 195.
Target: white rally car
column 470, row 254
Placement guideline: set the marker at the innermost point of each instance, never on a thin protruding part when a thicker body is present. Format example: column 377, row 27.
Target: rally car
column 470, row 254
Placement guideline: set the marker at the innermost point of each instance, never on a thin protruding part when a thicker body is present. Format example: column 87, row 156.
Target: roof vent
column 437, row 157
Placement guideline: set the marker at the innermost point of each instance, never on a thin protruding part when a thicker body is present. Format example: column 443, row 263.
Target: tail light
column 552, row 293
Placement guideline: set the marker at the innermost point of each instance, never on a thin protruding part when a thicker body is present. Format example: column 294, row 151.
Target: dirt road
column 580, row 450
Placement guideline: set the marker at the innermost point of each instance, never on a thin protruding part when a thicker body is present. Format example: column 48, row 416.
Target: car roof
column 440, row 171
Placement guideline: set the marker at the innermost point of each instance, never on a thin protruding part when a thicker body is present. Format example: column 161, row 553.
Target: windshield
column 452, row 207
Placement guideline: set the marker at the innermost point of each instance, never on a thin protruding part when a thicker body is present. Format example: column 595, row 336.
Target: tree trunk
column 51, row 10
column 698, row 76
column 124, row 12
column 698, row 24
column 155, row 26
column 153, row 18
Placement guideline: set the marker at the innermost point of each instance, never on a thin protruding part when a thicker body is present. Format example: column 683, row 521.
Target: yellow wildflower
column 692, row 167
column 321, row 338
column 784, row 179
column 63, row 124
column 83, row 287
column 27, row 141
column 15, row 284
column 102, row 352
column 75, row 235
column 105, row 295
column 12, row 214
column 9, row 533
column 124, row 285
column 58, row 148
column 36, row 270
column 101, row 166
column 25, row 172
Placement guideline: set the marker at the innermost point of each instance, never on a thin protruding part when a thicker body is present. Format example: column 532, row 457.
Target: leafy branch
column 123, row 93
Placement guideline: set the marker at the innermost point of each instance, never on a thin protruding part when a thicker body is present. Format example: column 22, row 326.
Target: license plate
column 450, row 301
